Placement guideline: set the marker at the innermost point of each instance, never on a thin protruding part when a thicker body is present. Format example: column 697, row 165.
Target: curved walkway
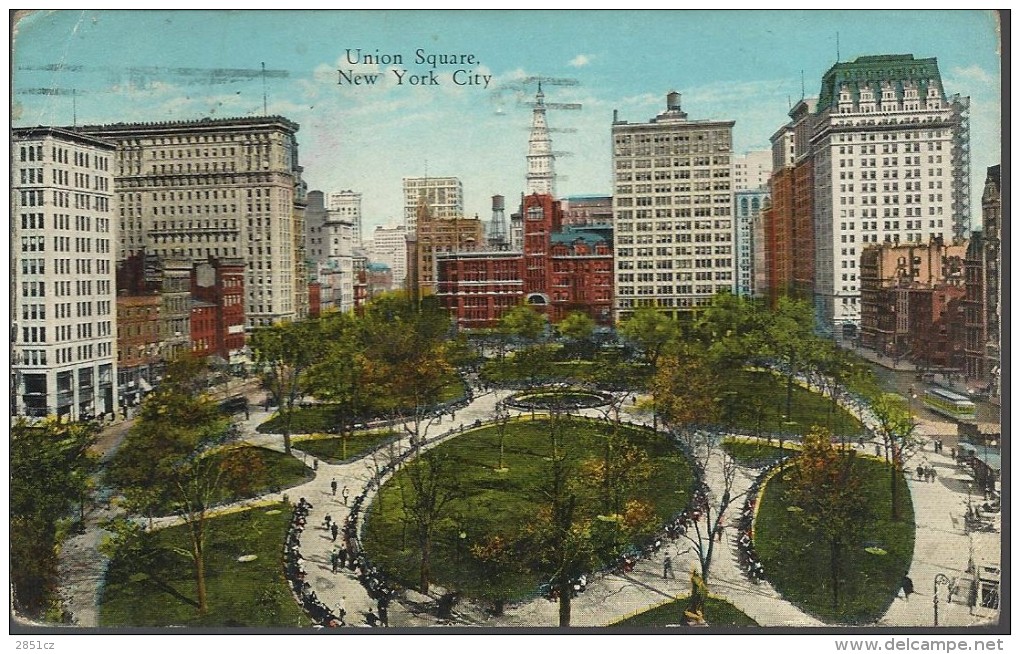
column 611, row 597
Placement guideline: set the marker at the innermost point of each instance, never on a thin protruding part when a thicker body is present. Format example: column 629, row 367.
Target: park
column 732, row 471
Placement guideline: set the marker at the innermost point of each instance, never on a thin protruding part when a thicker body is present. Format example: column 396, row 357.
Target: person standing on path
column 334, row 529
column 332, row 485
column 667, row 567
column 345, row 493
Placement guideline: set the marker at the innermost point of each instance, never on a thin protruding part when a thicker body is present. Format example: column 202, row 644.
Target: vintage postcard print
column 512, row 320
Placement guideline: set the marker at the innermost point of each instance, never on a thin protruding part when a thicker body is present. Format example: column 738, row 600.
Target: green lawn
column 319, row 418
column 796, row 562
column 331, row 450
column 718, row 613
column 160, row 591
column 506, row 503
column 755, row 399
column 754, row 453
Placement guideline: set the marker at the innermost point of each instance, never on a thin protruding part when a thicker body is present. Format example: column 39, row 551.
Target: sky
column 103, row 66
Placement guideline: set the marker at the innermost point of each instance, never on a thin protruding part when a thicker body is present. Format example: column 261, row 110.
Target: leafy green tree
column 578, row 328
column 523, row 322
column 650, row 330
column 432, row 487
column 732, row 329
column 792, row 340
column 50, row 468
column 340, row 376
column 168, row 448
column 826, row 494
column 897, row 429
column 287, row 350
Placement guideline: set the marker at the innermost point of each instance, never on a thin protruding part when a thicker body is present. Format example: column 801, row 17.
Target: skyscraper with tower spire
column 541, row 174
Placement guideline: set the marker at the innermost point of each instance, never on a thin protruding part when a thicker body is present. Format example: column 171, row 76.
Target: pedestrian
column 344, row 493
column 328, row 520
column 878, row 450
column 920, row 471
column 931, row 471
column 719, row 534
column 667, row 567
column 341, row 557
column 334, row 529
column 315, row 464
column 908, row 587
column 332, row 485
column 341, row 610
column 247, row 414
column 952, row 453
column 334, row 560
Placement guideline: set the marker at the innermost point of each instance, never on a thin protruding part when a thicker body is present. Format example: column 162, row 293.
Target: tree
column 433, row 486
column 340, row 376
column 287, row 349
column 684, row 389
column 578, row 328
column 896, row 427
column 50, row 469
column 561, row 532
column 523, row 322
column 827, row 496
column 650, row 330
column 502, row 559
column 792, row 341
column 169, row 448
column 732, row 329
column 502, row 421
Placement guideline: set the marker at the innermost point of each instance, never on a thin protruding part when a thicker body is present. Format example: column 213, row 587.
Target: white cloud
column 580, row 60
column 966, row 77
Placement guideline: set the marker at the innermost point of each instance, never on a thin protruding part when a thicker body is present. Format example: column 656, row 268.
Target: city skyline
column 474, row 125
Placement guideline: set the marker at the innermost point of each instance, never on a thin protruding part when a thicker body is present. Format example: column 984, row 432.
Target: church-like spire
column 541, row 174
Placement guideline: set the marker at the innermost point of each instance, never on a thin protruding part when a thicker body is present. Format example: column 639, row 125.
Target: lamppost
column 950, row 583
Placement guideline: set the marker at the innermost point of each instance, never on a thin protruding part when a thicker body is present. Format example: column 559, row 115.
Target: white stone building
column 226, row 187
column 672, row 211
column 541, row 173
column 63, row 290
column 891, row 164
column 347, row 206
column 444, row 195
column 751, row 170
column 389, row 246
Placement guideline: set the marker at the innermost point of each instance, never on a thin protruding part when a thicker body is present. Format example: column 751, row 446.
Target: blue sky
column 728, row 65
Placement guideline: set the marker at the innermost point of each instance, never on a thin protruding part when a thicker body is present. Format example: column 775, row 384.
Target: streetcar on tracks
column 949, row 404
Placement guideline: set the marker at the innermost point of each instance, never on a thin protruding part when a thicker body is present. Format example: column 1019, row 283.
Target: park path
column 611, row 597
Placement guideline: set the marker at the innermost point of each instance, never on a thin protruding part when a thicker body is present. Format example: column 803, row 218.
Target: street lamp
column 950, row 583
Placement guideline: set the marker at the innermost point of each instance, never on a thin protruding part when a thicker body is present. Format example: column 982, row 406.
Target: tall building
column 347, row 206
column 890, row 162
column 541, row 175
column 339, row 266
column 63, row 291
column 787, row 226
column 389, row 246
column 435, row 235
column 315, row 220
column 751, row 170
column 983, row 309
column 444, row 195
column 227, row 187
column 672, row 211
column 747, row 206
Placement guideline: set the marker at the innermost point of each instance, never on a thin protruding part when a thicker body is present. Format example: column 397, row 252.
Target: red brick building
column 220, row 282
column 559, row 271
column 203, row 328
column 138, row 344
column 314, row 299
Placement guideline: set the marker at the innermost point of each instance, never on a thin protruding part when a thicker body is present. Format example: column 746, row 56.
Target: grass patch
column 331, row 449
column 160, row 590
column 757, row 400
column 797, row 562
column 754, row 453
column 506, row 503
column 718, row 613
column 319, row 418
